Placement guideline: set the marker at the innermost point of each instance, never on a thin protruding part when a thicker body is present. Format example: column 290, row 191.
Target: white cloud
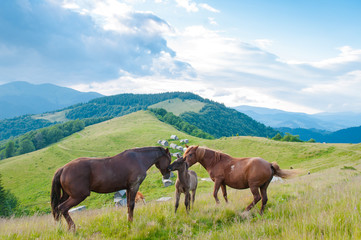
column 70, row 5
column 259, row 78
column 110, row 47
column 263, row 43
column 347, row 55
column 191, row 6
column 209, row 8
column 188, row 5
column 212, row 54
column 348, row 84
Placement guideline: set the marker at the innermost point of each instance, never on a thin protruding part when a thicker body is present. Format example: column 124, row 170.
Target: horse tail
column 277, row 171
column 55, row 194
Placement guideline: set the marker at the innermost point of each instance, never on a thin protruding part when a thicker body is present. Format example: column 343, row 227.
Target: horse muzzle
column 167, row 174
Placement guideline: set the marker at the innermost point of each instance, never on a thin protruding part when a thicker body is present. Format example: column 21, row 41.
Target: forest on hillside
column 40, row 138
column 20, row 125
column 179, row 123
column 220, row 121
column 112, row 106
column 214, row 120
column 122, row 104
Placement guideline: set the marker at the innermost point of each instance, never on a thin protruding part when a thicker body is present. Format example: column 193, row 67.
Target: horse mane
column 201, row 151
column 146, row 149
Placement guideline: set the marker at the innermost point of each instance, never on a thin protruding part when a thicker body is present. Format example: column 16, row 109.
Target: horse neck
column 183, row 175
column 208, row 160
column 149, row 161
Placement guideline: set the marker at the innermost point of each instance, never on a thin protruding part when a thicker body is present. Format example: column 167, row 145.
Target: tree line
column 290, row 138
column 8, row 202
column 220, row 121
column 179, row 123
column 20, row 125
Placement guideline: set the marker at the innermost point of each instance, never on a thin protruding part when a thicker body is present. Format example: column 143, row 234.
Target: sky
column 298, row 56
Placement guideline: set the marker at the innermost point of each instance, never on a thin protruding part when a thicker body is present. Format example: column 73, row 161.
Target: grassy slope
column 177, row 106
column 29, row 176
column 323, row 204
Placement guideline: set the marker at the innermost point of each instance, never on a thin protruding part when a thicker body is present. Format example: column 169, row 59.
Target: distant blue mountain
column 20, row 98
column 347, row 135
column 344, row 127
column 282, row 119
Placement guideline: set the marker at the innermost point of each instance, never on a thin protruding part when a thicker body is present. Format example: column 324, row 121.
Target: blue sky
column 300, row 56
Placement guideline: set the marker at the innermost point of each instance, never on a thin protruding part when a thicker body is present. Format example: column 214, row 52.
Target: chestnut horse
column 126, row 170
column 239, row 173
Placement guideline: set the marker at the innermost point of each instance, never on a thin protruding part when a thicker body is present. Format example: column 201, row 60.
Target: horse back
column 193, row 180
column 102, row 175
column 241, row 173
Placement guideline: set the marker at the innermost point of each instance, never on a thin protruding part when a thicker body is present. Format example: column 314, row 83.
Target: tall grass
column 324, row 205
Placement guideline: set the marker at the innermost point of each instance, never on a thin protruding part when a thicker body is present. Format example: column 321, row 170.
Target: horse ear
column 178, row 156
column 187, row 166
column 187, row 146
column 167, row 150
column 196, row 147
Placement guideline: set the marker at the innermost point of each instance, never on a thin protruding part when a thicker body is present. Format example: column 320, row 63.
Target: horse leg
column 224, row 190
column 193, row 197
column 263, row 189
column 66, row 205
column 61, row 200
column 131, row 193
column 177, row 197
column 217, row 185
column 256, row 198
column 187, row 199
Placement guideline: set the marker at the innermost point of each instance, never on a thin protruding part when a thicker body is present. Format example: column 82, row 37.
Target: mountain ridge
column 322, row 127
column 324, row 121
column 21, row 98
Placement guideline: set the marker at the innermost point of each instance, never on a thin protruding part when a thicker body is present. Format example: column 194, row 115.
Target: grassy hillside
column 178, row 106
column 323, row 204
column 111, row 106
column 59, row 116
column 29, row 176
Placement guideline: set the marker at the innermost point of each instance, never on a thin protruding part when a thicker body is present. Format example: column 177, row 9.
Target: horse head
column 178, row 164
column 163, row 162
column 190, row 155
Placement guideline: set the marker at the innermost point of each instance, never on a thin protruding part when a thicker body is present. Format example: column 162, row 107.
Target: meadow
column 178, row 106
column 321, row 205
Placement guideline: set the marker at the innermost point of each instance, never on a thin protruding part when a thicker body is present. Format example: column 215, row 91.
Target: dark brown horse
column 126, row 170
column 239, row 173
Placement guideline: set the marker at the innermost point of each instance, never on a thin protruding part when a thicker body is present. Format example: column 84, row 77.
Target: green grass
column 178, row 106
column 322, row 205
column 29, row 176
